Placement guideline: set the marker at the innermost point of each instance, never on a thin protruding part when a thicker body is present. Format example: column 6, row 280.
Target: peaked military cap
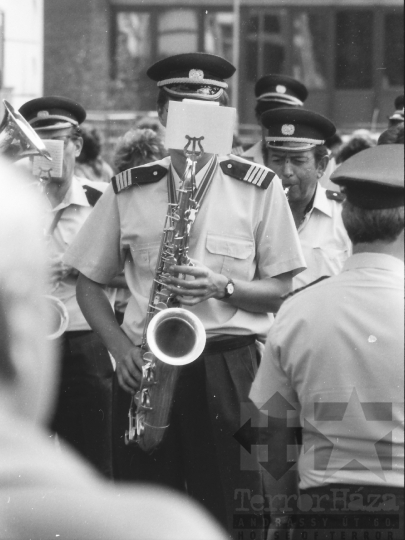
column 195, row 75
column 373, row 178
column 280, row 91
column 305, row 129
column 53, row 112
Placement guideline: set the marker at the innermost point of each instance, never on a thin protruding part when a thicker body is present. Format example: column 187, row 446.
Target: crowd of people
column 293, row 412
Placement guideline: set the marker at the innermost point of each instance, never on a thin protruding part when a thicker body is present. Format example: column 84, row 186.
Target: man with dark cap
column 242, row 266
column 297, row 153
column 334, row 356
column 272, row 92
column 84, row 407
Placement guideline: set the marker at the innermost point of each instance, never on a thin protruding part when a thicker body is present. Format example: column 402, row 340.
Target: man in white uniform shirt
column 334, row 357
column 83, row 412
column 242, row 266
column 296, row 152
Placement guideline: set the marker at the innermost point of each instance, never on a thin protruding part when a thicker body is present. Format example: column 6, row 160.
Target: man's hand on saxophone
column 129, row 370
column 257, row 296
column 206, row 283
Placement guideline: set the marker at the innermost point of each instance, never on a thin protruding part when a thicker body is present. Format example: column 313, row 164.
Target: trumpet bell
column 59, row 317
column 17, row 138
column 176, row 336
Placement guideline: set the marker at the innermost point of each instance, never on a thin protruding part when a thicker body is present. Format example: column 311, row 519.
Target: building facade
column 349, row 53
column 21, row 50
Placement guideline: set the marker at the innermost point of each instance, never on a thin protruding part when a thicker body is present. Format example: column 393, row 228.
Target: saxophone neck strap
column 202, row 188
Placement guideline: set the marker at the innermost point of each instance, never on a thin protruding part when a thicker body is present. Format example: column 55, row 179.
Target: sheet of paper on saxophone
column 205, row 121
column 48, row 492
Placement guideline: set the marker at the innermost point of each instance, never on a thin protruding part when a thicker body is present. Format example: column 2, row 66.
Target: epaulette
column 138, row 176
column 92, row 194
column 253, row 173
column 335, row 195
column 293, row 293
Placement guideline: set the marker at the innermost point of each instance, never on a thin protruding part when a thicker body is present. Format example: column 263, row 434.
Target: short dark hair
column 91, row 144
column 363, row 225
column 320, row 151
column 352, row 147
column 392, row 135
column 138, row 147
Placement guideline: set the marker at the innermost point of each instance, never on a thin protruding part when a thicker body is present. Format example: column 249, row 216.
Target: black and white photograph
column 202, row 270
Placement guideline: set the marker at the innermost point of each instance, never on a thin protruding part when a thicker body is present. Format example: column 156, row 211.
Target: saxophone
column 172, row 336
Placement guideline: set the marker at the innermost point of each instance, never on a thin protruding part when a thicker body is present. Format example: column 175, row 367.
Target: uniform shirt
column 76, row 209
column 237, row 232
column 255, row 153
column 335, row 350
column 324, row 240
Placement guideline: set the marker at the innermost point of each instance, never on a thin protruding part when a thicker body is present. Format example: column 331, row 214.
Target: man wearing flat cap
column 274, row 91
column 297, row 153
column 335, row 355
column 242, row 267
column 83, row 411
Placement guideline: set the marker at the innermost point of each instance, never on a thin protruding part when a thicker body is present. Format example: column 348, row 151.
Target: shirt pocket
column 230, row 255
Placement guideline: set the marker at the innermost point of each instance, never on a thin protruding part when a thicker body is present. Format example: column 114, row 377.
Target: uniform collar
column 75, row 195
column 374, row 260
column 321, row 202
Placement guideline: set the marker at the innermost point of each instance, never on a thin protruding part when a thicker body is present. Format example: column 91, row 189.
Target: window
column 309, row 54
column 133, row 45
column 177, row 31
column 354, row 49
column 218, row 34
column 393, row 74
column 265, row 43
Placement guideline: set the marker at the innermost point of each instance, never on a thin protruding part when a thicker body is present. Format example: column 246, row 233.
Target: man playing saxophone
column 244, row 249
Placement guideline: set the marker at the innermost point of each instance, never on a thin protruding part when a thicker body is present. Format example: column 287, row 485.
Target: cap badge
column 281, row 89
column 43, row 114
column 196, row 75
column 287, row 129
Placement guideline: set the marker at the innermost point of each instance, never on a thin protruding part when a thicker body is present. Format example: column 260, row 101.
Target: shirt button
column 229, row 166
column 155, row 173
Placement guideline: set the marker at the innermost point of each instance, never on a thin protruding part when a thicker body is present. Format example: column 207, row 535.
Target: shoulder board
column 254, row 174
column 293, row 293
column 92, row 194
column 138, row 176
column 335, row 195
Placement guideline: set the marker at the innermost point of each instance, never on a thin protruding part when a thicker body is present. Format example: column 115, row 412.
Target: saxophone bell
column 176, row 336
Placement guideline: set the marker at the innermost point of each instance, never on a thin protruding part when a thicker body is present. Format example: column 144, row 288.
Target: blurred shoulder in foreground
column 46, row 492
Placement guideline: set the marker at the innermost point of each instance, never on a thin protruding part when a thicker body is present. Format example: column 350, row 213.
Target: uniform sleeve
column 96, row 251
column 271, row 381
column 278, row 245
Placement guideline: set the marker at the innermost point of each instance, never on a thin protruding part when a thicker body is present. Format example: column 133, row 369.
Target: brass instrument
column 59, row 317
column 17, row 138
column 172, row 336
